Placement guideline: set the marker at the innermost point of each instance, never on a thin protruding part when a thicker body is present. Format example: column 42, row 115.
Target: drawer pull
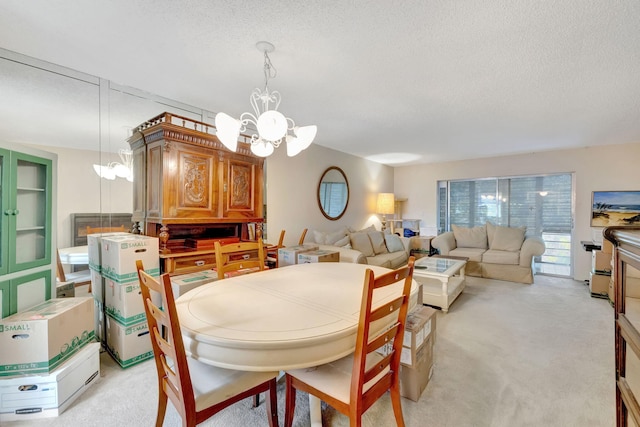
column 200, row 263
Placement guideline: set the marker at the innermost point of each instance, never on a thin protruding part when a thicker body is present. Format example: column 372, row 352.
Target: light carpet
column 506, row 355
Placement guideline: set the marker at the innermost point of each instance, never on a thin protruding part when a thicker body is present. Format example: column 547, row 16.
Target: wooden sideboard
column 626, row 241
column 189, row 187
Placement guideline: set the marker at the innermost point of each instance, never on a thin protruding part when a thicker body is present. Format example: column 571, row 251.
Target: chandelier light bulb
column 272, row 125
column 262, row 148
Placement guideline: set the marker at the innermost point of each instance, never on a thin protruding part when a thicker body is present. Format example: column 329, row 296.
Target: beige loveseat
column 494, row 252
column 368, row 246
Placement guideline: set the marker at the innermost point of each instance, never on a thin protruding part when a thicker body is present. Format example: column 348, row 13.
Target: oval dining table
column 290, row 317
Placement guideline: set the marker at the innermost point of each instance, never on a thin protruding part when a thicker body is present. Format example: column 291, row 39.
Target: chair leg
column 272, row 403
column 290, row 402
column 162, row 407
column 396, row 404
column 256, row 400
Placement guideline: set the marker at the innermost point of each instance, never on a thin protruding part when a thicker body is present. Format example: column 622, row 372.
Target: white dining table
column 290, row 317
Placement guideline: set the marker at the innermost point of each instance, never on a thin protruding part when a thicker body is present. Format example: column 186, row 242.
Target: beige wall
column 611, row 167
column 292, row 186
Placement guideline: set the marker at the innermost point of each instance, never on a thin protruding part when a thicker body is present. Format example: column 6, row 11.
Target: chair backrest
column 304, row 233
column 96, row 230
column 59, row 270
column 369, row 383
column 239, row 256
column 281, row 239
column 174, row 377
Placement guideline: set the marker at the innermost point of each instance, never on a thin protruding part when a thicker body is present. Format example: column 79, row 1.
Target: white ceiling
column 438, row 79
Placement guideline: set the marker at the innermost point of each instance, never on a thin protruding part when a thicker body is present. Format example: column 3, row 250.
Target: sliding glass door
column 543, row 204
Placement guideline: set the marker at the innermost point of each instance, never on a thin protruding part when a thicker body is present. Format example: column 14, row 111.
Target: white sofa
column 368, row 246
column 493, row 251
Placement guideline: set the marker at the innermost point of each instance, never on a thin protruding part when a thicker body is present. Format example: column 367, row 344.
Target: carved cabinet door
column 190, row 185
column 243, row 189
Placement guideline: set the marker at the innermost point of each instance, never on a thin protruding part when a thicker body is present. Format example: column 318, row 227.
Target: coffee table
column 442, row 280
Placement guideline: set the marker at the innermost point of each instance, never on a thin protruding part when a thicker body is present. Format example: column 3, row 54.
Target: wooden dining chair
column 198, row 391
column 354, row 383
column 304, row 233
column 272, row 252
column 80, row 278
column 239, row 256
column 96, row 230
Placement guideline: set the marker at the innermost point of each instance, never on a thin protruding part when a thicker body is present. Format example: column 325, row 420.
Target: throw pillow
column 394, row 243
column 508, row 238
column 362, row 243
column 475, row 237
column 377, row 241
column 324, row 238
column 343, row 242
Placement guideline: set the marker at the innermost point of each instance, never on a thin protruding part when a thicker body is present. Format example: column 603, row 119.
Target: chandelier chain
column 270, row 71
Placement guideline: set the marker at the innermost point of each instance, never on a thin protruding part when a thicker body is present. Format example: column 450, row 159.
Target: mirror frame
column 326, row 215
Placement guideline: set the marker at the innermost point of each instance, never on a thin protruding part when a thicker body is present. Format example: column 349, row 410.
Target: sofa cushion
column 475, row 237
column 474, row 254
column 389, row 260
column 493, row 256
column 507, row 238
column 361, row 242
column 394, row 244
column 377, row 242
column 324, row 238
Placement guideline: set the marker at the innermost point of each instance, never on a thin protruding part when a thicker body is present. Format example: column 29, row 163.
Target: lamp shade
column 386, row 202
column 228, row 130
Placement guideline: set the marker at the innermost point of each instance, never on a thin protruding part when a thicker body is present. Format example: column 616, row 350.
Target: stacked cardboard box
column 318, row 256
column 417, row 352
column 125, row 324
column 289, row 255
column 41, row 338
column 183, row 283
column 31, row 397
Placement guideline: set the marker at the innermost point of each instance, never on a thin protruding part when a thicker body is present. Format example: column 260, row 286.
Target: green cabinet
column 26, row 211
column 26, row 234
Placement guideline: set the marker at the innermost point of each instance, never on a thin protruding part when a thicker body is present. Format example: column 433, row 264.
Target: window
column 543, row 204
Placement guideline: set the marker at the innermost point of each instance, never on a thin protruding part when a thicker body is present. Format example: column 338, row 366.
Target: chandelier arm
column 248, row 118
column 293, row 124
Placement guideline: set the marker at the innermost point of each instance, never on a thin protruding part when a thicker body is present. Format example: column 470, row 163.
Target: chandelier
column 272, row 126
column 115, row 169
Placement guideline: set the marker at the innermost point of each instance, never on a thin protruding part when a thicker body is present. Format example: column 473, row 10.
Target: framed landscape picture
column 609, row 208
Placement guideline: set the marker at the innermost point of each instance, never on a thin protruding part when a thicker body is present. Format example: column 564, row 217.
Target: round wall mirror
column 333, row 193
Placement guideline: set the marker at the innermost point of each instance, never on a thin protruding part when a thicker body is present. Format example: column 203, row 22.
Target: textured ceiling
column 438, row 79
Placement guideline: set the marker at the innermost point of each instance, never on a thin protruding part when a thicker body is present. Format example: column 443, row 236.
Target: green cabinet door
column 5, row 212
column 29, row 212
column 4, row 298
column 29, row 290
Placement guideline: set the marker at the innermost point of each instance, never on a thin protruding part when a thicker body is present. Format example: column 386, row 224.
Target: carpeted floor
column 506, row 355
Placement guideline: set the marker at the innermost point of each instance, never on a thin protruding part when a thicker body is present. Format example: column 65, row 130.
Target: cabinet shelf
column 32, row 228
column 32, row 189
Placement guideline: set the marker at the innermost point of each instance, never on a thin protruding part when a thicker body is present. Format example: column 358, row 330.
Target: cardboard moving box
column 289, row 254
column 39, row 396
column 128, row 345
column 40, row 339
column 599, row 285
column 183, row 283
column 318, row 256
column 119, row 255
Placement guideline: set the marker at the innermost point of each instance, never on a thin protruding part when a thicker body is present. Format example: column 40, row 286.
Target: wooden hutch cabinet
column 189, row 189
column 626, row 241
